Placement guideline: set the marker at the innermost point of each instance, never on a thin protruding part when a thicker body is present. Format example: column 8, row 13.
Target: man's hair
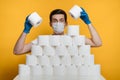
column 58, row 11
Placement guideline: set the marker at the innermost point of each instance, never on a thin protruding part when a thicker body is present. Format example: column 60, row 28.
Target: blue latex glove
column 27, row 26
column 84, row 17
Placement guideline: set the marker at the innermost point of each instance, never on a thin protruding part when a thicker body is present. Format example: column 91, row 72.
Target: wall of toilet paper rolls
column 103, row 13
column 54, row 59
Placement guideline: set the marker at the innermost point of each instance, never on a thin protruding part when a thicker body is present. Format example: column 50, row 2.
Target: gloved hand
column 27, row 26
column 84, row 17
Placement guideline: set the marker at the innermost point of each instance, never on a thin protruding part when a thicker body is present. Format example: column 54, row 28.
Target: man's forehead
column 58, row 16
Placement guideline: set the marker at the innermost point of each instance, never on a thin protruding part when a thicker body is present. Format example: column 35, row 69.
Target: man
column 58, row 21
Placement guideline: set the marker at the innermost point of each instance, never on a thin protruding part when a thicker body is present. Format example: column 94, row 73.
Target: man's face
column 58, row 19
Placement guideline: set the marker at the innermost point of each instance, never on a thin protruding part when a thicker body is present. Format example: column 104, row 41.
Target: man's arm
column 20, row 46
column 95, row 40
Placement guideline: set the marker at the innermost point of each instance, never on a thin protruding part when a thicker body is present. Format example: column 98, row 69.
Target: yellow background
column 104, row 14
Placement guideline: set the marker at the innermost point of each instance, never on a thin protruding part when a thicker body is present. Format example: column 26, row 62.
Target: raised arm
column 95, row 40
column 20, row 46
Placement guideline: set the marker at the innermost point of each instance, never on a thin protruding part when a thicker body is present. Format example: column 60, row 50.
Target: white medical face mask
column 58, row 27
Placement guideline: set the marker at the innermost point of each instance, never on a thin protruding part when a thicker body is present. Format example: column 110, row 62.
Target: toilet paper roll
column 24, row 69
column 66, row 60
column 82, row 60
column 89, row 60
column 43, row 40
column 101, row 77
column 43, row 60
column 36, row 70
column 47, row 77
column 61, row 50
column 36, row 50
column 75, row 11
column 76, row 60
column 48, row 50
column 94, row 70
column 55, row 60
column 47, row 70
column 36, row 77
column 59, row 70
column 72, row 50
column 34, row 42
column 73, row 30
column 31, row 60
column 79, row 40
column 72, row 77
column 66, row 40
column 54, row 40
column 71, row 70
column 35, row 19
column 88, row 78
column 24, row 72
column 84, row 49
column 83, row 70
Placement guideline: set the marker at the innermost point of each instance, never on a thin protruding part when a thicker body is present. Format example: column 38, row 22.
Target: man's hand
column 84, row 17
column 27, row 26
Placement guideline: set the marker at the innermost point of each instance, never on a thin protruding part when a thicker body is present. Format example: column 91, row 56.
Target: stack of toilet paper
column 60, row 57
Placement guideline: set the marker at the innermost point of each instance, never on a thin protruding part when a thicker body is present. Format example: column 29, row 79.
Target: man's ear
column 66, row 23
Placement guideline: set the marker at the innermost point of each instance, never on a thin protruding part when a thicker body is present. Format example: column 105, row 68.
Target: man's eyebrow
column 54, row 19
column 61, row 18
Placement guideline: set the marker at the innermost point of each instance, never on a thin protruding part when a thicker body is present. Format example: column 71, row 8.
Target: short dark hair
column 58, row 11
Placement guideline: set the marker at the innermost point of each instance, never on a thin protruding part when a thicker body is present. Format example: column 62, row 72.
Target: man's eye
column 54, row 20
column 62, row 20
